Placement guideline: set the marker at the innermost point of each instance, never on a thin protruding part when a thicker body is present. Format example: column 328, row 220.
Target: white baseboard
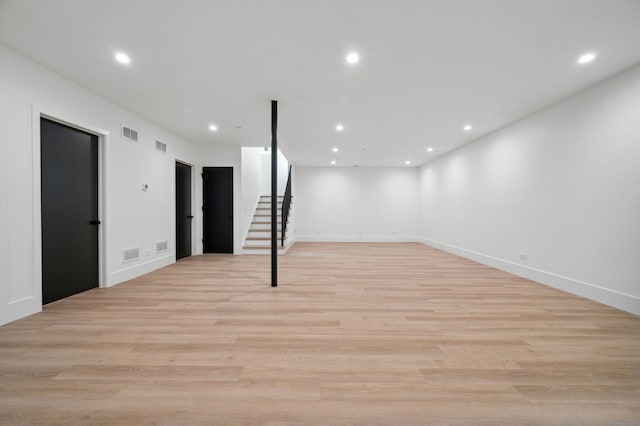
column 622, row 301
column 30, row 305
column 138, row 269
column 21, row 308
column 355, row 239
column 290, row 242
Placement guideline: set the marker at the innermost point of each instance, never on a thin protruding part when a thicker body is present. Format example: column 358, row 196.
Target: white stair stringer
column 258, row 240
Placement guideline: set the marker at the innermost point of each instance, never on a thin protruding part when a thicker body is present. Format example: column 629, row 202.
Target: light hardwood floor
column 355, row 334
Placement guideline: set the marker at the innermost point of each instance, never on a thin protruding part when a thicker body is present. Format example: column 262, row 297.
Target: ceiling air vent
column 130, row 255
column 161, row 146
column 129, row 133
column 162, row 246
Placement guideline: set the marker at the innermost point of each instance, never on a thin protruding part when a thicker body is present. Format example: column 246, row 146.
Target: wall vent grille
column 129, row 133
column 162, row 246
column 130, row 255
column 161, row 146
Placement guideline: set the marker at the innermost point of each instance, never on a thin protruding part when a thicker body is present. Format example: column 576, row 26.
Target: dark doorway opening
column 69, row 200
column 217, row 209
column 184, row 216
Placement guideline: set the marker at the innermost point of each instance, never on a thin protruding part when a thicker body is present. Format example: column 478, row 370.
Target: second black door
column 69, row 172
column 183, row 210
column 217, row 209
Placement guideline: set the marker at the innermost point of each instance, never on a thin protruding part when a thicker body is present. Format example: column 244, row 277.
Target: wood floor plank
column 370, row 334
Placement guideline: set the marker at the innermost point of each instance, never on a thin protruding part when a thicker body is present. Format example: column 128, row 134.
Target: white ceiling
column 427, row 67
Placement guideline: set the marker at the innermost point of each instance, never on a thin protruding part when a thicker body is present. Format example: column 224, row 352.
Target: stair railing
column 286, row 205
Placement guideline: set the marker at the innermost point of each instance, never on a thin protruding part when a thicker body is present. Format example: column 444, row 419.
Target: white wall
column 256, row 181
column 265, row 173
column 132, row 218
column 251, row 159
column 356, row 204
column 562, row 186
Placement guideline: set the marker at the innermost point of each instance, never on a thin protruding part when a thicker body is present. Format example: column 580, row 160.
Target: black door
column 183, row 210
column 217, row 209
column 69, row 172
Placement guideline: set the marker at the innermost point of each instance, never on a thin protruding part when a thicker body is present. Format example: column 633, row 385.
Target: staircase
column 258, row 239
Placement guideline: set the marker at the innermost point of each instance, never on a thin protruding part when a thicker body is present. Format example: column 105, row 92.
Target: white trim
column 625, row 302
column 246, row 233
column 236, row 191
column 23, row 299
column 139, row 269
column 193, row 207
column 52, row 113
column 290, row 242
column 355, row 239
column 137, row 265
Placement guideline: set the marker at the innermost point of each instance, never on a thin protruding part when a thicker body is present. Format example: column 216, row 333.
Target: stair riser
column 262, row 219
column 265, row 199
column 263, row 226
column 262, row 251
column 265, row 233
column 267, row 211
column 263, row 243
column 260, row 226
column 259, row 243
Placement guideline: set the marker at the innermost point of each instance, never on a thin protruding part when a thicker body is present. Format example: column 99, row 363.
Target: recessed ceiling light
column 586, row 58
column 335, row 149
column 429, row 149
column 407, row 162
column 339, row 127
column 123, row 58
column 467, row 127
column 213, row 127
column 352, row 58
column 333, row 162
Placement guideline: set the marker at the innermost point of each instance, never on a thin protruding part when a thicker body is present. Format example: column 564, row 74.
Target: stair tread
column 260, row 238
column 261, row 247
column 259, row 235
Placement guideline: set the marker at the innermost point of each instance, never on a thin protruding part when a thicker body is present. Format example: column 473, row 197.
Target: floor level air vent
column 162, row 246
column 130, row 255
column 129, row 133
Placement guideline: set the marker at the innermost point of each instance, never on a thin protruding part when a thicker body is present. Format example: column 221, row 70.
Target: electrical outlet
column 523, row 255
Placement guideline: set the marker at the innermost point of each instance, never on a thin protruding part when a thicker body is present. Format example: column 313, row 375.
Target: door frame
column 234, row 206
column 62, row 117
column 193, row 209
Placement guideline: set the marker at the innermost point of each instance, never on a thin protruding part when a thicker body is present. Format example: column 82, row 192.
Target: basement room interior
column 286, row 212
